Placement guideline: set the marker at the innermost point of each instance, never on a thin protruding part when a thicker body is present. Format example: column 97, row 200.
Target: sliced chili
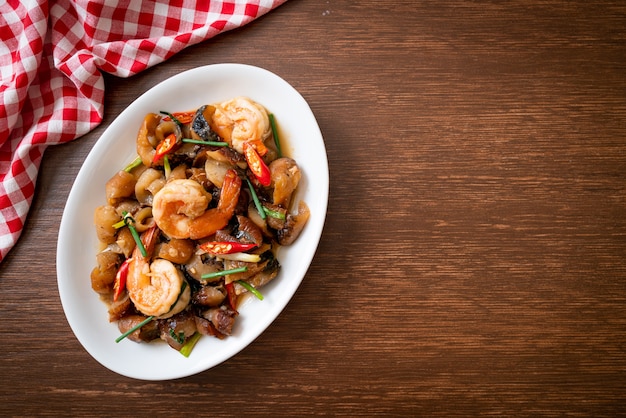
column 120, row 279
column 256, row 164
column 259, row 146
column 166, row 146
column 232, row 296
column 182, row 117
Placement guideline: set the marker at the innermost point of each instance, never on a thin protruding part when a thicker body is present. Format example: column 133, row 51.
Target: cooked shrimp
column 242, row 120
column 157, row 288
column 180, row 207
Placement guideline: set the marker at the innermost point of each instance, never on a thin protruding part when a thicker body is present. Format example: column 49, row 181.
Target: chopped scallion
column 275, row 132
column 180, row 338
column 119, row 224
column 274, row 213
column 255, row 198
column 190, row 344
column 133, row 329
column 166, row 166
column 129, row 221
column 135, row 163
column 250, row 289
column 223, row 273
column 201, row 142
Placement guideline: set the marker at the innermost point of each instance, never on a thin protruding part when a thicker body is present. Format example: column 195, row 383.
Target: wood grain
column 472, row 261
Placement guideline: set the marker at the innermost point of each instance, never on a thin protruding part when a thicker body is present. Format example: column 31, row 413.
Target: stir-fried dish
column 194, row 223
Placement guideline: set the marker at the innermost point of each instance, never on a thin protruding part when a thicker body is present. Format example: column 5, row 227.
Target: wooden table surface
column 472, row 260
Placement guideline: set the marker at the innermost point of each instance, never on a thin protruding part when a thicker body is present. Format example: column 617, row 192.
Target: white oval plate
column 78, row 244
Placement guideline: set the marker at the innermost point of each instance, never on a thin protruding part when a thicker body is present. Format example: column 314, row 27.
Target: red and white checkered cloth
column 52, row 53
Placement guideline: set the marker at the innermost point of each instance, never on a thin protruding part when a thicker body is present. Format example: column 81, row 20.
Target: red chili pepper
column 259, row 146
column 183, row 117
column 225, row 247
column 120, row 279
column 256, row 164
column 232, row 296
column 166, row 146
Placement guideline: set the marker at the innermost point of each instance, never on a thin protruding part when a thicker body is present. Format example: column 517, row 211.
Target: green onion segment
column 119, row 224
column 135, row 163
column 201, row 142
column 223, row 273
column 250, row 289
column 166, row 166
column 129, row 221
column 133, row 329
column 255, row 198
column 190, row 344
column 274, row 214
column 275, row 132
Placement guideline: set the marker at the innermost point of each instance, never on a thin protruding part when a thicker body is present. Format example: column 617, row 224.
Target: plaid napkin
column 51, row 57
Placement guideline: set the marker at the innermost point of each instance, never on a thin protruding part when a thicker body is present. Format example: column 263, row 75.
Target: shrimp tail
column 217, row 218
